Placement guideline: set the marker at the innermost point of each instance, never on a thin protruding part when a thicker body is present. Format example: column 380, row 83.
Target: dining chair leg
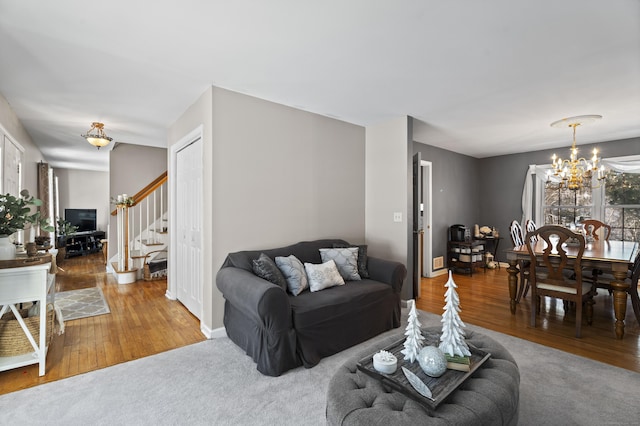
column 578, row 319
column 534, row 311
column 635, row 300
column 590, row 304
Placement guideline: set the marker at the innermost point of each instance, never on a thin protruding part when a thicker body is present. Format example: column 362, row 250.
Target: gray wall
column 84, row 189
column 386, row 192
column 279, row 175
column 456, row 192
column 11, row 127
column 488, row 191
column 501, row 180
column 131, row 168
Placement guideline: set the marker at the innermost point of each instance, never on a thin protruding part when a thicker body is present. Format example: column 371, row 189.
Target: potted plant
column 15, row 214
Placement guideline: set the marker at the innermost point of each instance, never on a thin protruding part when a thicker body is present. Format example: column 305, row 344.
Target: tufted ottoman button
column 489, row 396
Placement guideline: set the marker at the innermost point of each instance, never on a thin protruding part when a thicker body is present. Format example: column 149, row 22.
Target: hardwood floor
column 484, row 301
column 142, row 322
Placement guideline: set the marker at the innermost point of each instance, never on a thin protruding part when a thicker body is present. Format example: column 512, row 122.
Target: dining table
column 612, row 256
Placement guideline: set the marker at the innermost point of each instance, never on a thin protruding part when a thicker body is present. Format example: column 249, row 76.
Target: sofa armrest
column 257, row 298
column 387, row 271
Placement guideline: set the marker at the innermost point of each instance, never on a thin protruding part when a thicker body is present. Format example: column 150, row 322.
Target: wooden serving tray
column 441, row 387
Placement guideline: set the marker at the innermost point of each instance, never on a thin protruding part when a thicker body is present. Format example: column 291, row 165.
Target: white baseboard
column 216, row 333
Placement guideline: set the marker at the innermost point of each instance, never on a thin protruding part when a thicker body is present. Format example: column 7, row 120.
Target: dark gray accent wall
column 456, row 192
column 501, row 180
column 488, row 191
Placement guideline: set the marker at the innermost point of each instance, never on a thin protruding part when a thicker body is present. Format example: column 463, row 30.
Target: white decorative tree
column 413, row 342
column 452, row 340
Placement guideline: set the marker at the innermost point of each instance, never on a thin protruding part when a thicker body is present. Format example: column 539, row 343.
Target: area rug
column 215, row 383
column 82, row 303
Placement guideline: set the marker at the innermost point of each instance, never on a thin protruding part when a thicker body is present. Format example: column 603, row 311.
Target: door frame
column 191, row 137
column 427, row 218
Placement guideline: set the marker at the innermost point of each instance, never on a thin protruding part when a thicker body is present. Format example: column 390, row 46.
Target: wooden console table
column 26, row 280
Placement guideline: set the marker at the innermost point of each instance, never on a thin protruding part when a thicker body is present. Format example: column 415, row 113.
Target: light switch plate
column 397, row 216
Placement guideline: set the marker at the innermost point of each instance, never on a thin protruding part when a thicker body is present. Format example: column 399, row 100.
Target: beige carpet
column 82, row 303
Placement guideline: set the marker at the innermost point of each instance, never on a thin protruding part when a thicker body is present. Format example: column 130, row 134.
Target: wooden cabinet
column 26, row 280
column 465, row 255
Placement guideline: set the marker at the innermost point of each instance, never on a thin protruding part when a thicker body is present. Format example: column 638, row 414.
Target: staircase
column 142, row 234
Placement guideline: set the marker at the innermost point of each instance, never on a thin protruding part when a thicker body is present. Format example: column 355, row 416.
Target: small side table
column 26, row 280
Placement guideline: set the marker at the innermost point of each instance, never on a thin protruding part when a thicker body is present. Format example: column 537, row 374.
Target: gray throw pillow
column 294, row 273
column 362, row 259
column 266, row 269
column 323, row 276
column 346, row 260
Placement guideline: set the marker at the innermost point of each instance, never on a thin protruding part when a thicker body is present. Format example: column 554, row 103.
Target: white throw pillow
column 346, row 260
column 323, row 276
column 293, row 272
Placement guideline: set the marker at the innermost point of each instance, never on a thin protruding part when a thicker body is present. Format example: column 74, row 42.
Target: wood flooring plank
column 138, row 325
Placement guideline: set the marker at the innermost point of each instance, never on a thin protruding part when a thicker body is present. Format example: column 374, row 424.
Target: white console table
column 26, row 280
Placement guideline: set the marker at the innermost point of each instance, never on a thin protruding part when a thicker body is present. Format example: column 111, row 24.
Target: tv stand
column 81, row 243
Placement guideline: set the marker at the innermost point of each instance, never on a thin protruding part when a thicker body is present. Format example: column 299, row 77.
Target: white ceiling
column 483, row 77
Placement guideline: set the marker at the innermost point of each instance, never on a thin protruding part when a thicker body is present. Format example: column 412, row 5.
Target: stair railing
column 144, row 219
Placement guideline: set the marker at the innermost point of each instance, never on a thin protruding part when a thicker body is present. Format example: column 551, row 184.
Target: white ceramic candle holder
column 385, row 362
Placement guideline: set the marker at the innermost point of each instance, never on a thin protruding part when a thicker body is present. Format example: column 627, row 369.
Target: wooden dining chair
column 516, row 233
column 529, row 226
column 551, row 275
column 516, row 238
column 593, row 228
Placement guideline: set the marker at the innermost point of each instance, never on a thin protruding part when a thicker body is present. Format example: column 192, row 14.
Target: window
column 616, row 201
column 565, row 207
column 622, row 205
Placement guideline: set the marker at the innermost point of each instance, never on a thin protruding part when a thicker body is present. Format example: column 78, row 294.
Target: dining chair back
column 530, row 225
column 554, row 274
column 516, row 233
column 593, row 228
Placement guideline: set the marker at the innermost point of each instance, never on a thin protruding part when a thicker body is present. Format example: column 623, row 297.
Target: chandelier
column 96, row 135
column 575, row 173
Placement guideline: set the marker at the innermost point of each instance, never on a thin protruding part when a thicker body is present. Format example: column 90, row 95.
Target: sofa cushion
column 305, row 251
column 267, row 269
column 323, row 276
column 310, row 309
column 363, row 271
column 294, row 273
column 346, row 260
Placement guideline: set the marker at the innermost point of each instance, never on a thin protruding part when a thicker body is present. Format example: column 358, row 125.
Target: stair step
column 150, row 243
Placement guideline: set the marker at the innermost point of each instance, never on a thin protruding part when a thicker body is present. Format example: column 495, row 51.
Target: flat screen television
column 84, row 219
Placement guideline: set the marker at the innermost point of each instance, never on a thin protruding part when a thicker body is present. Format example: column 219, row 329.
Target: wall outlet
column 397, row 216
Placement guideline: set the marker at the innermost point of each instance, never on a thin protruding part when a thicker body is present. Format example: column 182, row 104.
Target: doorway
column 186, row 176
column 425, row 211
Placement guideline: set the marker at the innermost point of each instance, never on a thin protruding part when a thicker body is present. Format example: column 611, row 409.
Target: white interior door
column 188, row 220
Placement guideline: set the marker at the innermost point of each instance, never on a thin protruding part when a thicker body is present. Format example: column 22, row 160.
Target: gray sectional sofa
column 281, row 331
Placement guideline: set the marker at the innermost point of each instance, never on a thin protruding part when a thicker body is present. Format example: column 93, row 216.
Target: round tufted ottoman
column 489, row 397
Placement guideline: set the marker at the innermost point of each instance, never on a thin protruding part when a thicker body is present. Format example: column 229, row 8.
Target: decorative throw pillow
column 266, row 269
column 294, row 273
column 346, row 260
column 362, row 259
column 323, row 276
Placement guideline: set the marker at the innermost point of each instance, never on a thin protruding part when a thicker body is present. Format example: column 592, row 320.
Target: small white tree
column 452, row 340
column 413, row 342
